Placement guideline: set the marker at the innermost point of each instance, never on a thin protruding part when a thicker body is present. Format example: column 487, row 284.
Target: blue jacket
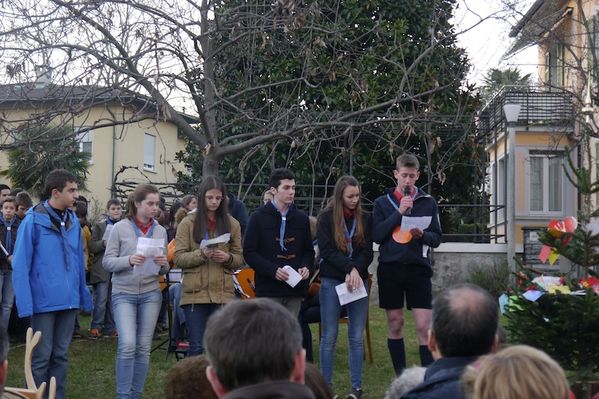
column 43, row 280
column 442, row 380
column 386, row 217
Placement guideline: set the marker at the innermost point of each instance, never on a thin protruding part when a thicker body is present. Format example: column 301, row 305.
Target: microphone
column 407, row 191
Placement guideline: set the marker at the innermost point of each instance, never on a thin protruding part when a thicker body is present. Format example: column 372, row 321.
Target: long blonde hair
column 518, row 371
column 336, row 206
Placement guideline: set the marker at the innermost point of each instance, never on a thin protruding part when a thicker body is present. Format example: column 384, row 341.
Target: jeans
column 196, row 317
column 102, row 319
column 330, row 311
column 135, row 316
column 8, row 296
column 50, row 355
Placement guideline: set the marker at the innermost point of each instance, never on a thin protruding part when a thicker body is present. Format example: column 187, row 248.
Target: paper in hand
column 294, row 277
column 149, row 248
column 347, row 296
column 415, row 222
column 221, row 239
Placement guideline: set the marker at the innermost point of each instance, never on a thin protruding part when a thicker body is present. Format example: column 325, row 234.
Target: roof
column 13, row 96
column 540, row 18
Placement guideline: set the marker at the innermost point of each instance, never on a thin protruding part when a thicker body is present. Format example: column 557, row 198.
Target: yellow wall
column 128, row 150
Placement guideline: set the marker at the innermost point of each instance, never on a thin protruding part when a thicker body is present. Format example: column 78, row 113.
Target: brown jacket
column 205, row 281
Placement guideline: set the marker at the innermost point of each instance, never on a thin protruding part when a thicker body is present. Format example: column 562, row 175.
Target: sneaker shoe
column 356, row 393
column 94, row 333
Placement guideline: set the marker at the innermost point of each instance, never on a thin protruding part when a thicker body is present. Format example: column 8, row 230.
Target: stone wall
column 453, row 263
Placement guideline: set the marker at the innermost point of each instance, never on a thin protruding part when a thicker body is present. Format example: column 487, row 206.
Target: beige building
column 122, row 132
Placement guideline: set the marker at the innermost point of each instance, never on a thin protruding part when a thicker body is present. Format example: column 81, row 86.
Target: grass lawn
column 91, row 363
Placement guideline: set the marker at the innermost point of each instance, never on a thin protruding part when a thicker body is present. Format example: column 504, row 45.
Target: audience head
column 114, row 209
column 465, row 319
column 316, row 382
column 4, row 192
column 267, row 197
column 23, row 203
column 187, row 380
column 81, row 211
column 514, row 372
column 407, row 160
column 212, row 203
column 250, row 342
column 282, row 186
column 61, row 189
column 407, row 380
column 143, row 202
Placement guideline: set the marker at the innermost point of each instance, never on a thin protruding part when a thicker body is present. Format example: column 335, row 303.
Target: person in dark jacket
column 278, row 235
column 238, row 210
column 465, row 319
column 255, row 351
column 9, row 223
column 404, row 269
column 345, row 245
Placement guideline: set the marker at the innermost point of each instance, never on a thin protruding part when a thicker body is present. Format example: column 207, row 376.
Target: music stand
column 169, row 317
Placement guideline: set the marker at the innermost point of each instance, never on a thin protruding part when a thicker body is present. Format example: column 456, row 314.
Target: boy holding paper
column 9, row 224
column 135, row 255
column 278, row 245
column 404, row 269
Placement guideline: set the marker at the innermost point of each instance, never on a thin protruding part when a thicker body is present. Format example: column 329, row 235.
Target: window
column 554, row 65
column 545, row 183
column 498, row 188
column 85, row 139
column 149, row 151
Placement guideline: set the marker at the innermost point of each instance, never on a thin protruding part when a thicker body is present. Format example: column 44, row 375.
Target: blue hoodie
column 43, row 279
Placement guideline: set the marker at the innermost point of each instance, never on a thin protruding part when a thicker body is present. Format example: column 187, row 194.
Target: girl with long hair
column 136, row 296
column 207, row 271
column 345, row 243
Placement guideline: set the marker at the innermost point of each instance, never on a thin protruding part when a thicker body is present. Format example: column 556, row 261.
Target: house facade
column 124, row 135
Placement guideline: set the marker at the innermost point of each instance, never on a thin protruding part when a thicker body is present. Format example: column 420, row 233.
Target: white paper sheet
column 410, row 222
column 221, row 239
column 150, row 248
column 107, row 232
column 346, row 296
column 294, row 277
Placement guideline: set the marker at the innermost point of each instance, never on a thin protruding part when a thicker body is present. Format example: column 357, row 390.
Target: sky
column 487, row 42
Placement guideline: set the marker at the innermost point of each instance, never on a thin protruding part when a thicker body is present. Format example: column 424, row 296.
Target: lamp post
column 511, row 112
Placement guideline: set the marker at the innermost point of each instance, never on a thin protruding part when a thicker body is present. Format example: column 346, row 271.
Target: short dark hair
column 279, row 174
column 187, row 379
column 465, row 319
column 249, row 342
column 4, row 187
column 407, row 160
column 23, row 198
column 81, row 209
column 112, row 202
column 9, row 199
column 57, row 179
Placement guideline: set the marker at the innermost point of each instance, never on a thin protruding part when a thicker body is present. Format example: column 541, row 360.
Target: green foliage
column 494, row 279
column 496, row 78
column 41, row 150
column 564, row 326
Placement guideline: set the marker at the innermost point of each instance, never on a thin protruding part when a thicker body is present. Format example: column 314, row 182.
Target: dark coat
column 385, row 218
column 272, row 390
column 238, row 210
column 4, row 265
column 335, row 263
column 261, row 249
column 97, row 274
column 442, row 380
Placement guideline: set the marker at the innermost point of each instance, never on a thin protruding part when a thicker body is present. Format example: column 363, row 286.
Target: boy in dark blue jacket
column 49, row 276
column 404, row 269
column 278, row 235
column 9, row 224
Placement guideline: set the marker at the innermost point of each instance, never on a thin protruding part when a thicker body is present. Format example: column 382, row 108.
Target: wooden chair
column 367, row 342
column 32, row 391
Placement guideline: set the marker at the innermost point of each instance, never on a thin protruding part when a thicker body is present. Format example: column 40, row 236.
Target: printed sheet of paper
column 294, row 277
column 150, row 248
column 346, row 296
column 410, row 222
column 106, row 235
column 221, row 239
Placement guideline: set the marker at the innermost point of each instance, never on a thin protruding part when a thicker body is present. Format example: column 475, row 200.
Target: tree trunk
column 210, row 165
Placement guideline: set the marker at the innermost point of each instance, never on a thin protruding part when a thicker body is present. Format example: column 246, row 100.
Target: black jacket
column 4, row 265
column 238, row 210
column 272, row 390
column 335, row 263
column 261, row 249
column 442, row 380
column 386, row 218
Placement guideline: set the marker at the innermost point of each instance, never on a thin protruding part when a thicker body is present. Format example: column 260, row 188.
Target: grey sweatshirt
column 122, row 244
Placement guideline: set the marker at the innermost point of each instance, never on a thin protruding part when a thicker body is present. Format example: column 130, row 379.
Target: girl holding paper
column 345, row 245
column 207, row 269
column 136, row 296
